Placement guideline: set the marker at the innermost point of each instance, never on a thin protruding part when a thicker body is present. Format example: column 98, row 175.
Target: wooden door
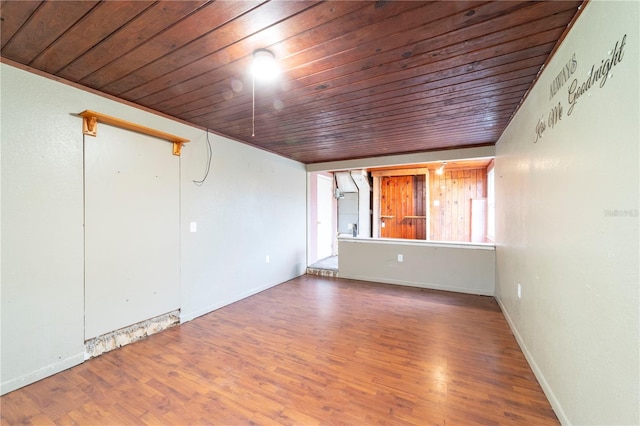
column 402, row 207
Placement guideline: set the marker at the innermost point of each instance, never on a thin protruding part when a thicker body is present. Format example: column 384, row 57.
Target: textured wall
column 567, row 186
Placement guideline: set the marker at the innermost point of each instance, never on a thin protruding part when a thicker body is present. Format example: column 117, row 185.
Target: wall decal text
column 576, row 89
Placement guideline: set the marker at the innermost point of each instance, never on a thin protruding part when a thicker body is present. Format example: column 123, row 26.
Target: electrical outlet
column 400, row 258
column 193, row 226
column 519, row 291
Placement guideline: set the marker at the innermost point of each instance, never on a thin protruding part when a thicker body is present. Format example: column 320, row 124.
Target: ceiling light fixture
column 264, row 66
column 264, row 69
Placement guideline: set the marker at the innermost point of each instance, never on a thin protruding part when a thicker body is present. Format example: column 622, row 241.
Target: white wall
column 567, row 225
column 464, row 268
column 42, row 235
column 253, row 204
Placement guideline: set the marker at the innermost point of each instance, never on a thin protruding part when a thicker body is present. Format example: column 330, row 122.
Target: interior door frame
column 322, row 203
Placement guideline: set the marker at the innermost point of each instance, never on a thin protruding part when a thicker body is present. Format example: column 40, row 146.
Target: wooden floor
column 310, row 351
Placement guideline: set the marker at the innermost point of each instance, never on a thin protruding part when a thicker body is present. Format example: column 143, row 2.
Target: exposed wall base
column 115, row 339
column 322, row 272
column 555, row 404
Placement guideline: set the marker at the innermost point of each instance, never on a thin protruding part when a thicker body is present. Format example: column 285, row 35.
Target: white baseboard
column 188, row 316
column 34, row 376
column 555, row 404
column 432, row 286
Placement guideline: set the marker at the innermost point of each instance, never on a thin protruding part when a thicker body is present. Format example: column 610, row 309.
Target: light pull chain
column 253, row 104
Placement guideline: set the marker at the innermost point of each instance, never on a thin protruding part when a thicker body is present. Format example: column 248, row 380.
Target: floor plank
column 311, row 351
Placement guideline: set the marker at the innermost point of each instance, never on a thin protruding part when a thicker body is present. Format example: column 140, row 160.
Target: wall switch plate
column 519, row 291
column 267, row 259
column 193, row 226
column 400, row 258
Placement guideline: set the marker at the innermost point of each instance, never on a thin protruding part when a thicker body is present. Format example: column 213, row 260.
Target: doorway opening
column 443, row 201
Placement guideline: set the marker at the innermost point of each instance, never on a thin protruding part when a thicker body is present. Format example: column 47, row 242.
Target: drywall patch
column 114, row 339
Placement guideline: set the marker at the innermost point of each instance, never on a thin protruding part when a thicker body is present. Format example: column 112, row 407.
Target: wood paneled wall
column 450, row 202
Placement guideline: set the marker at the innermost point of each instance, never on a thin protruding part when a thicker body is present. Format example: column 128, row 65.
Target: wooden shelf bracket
column 90, row 120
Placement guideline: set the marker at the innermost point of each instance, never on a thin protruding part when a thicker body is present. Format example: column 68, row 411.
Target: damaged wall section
column 115, row 339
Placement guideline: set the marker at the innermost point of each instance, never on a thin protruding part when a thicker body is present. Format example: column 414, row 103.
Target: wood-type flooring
column 310, row 351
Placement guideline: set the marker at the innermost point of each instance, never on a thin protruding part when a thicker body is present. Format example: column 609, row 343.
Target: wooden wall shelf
column 90, row 120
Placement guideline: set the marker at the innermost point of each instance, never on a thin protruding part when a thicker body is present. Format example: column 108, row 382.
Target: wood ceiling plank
column 209, row 68
column 43, row 27
column 338, row 109
column 343, row 150
column 451, row 124
column 474, row 60
column 488, row 114
column 403, row 95
column 94, row 27
column 406, row 115
column 480, row 77
column 409, row 117
column 400, row 132
column 357, row 42
column 320, row 38
column 13, row 15
column 388, row 74
column 426, row 127
column 366, row 150
column 418, row 112
column 423, row 110
column 154, row 20
column 442, row 137
column 374, row 145
column 439, row 137
column 361, row 53
column 238, row 70
column 195, row 57
column 181, row 33
column 470, row 51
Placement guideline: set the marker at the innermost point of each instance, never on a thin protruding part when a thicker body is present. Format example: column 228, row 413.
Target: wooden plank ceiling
column 358, row 78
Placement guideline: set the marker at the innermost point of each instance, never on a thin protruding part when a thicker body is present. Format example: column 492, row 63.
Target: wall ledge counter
column 423, row 243
column 451, row 266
